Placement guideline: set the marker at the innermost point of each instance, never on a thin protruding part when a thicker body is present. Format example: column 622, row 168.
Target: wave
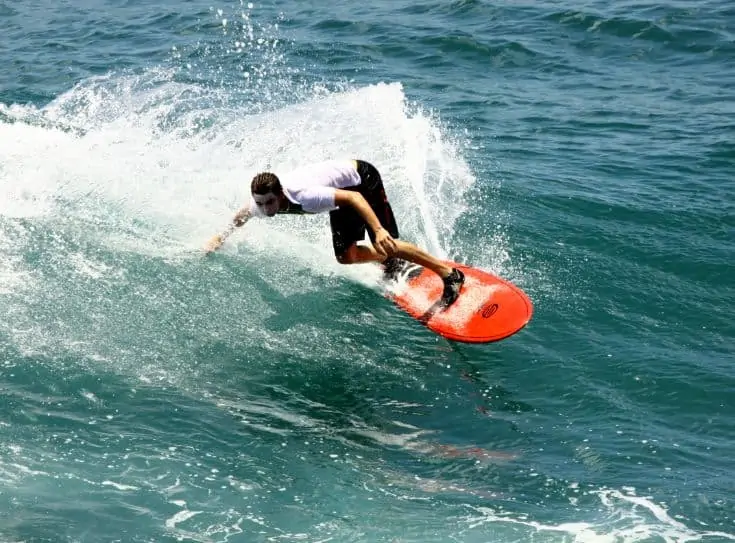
column 136, row 171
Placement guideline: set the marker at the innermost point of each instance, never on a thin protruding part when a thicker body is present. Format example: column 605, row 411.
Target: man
column 352, row 191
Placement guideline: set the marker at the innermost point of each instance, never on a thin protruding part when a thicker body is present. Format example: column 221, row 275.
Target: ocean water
column 584, row 150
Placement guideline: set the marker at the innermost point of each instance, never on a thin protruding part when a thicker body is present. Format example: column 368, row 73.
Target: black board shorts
column 348, row 227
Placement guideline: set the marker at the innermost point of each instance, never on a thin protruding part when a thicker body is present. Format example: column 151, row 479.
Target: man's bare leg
column 406, row 251
column 453, row 279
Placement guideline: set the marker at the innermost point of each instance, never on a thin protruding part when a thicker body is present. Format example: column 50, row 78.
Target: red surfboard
column 488, row 308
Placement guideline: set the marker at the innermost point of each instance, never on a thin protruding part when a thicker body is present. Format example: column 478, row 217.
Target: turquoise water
column 583, row 150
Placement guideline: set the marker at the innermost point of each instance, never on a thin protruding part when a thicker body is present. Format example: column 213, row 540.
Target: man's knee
column 348, row 256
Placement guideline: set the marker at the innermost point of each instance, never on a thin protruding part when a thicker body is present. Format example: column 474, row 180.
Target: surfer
column 353, row 193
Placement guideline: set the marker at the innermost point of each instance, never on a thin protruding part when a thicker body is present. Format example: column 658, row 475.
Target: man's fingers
column 385, row 245
column 388, row 248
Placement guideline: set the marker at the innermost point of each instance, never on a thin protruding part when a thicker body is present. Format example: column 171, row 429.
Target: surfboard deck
column 488, row 308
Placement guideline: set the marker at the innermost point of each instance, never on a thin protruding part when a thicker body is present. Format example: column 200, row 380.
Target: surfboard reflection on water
column 414, row 442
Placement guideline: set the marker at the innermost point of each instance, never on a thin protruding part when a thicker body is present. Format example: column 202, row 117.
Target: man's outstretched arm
column 241, row 217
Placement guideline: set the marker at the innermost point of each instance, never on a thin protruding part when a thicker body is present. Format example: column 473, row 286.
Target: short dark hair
column 266, row 182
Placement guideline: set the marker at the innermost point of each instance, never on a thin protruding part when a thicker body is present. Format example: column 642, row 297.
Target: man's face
column 268, row 203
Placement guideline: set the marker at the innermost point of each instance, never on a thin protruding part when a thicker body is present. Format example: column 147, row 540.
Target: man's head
column 267, row 192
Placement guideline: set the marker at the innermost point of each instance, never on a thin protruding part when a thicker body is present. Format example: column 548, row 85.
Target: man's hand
column 213, row 244
column 384, row 242
column 240, row 218
column 216, row 241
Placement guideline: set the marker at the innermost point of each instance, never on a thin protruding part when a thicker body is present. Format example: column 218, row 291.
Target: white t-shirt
column 313, row 186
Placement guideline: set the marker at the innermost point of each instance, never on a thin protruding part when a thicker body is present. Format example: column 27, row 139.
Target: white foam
column 179, row 517
column 626, row 518
column 119, row 486
column 117, row 159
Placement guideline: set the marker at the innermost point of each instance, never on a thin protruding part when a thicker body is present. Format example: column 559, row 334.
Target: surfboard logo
column 488, row 310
